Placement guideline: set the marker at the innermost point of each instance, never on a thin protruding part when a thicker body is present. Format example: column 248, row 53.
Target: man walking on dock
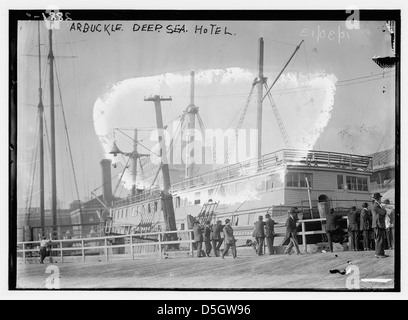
column 207, row 238
column 269, row 233
column 229, row 239
column 331, row 226
column 216, row 238
column 259, row 234
column 353, row 228
column 44, row 244
column 198, row 237
column 291, row 232
column 379, row 213
column 365, row 226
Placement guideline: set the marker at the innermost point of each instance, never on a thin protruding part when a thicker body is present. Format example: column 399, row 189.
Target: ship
column 267, row 183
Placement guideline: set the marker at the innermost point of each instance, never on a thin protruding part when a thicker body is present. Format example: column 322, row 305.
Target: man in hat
column 229, row 239
column 331, row 226
column 198, row 237
column 259, row 234
column 216, row 237
column 207, row 238
column 291, row 232
column 365, row 225
column 269, row 233
column 378, row 224
column 44, row 244
column 353, row 228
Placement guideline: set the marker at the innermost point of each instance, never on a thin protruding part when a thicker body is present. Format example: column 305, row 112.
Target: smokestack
column 107, row 181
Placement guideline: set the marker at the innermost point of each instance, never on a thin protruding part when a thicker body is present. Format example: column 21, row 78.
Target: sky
column 331, row 96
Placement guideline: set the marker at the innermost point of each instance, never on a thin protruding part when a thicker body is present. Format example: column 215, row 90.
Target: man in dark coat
column 291, row 232
column 353, row 228
column 392, row 227
column 259, row 234
column 229, row 239
column 379, row 225
column 198, row 237
column 365, row 226
column 269, row 233
column 331, row 226
column 207, row 238
column 216, row 237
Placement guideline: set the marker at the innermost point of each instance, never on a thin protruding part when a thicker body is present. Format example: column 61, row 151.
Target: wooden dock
column 247, row 272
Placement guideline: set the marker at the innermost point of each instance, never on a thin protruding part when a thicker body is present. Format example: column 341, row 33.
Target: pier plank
column 248, row 272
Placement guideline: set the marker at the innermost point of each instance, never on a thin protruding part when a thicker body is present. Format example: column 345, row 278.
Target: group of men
column 374, row 220
column 212, row 238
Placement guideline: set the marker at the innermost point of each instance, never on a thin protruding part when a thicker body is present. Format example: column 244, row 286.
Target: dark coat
column 392, row 218
column 378, row 216
column 290, row 225
column 353, row 220
column 229, row 234
column 365, row 219
column 269, row 228
column 198, row 233
column 207, row 232
column 331, row 221
column 216, row 232
column 259, row 229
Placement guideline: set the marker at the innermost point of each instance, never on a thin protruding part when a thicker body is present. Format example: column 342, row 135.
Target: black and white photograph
column 205, row 150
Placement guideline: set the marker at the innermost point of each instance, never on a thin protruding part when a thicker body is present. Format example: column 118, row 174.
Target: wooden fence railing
column 157, row 239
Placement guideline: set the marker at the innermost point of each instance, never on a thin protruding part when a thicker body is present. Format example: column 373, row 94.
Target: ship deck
column 247, row 272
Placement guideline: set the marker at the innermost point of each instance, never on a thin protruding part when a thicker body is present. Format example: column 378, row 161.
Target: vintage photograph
column 205, row 150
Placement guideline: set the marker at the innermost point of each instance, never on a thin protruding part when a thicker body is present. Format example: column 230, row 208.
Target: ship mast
column 260, row 85
column 167, row 198
column 53, row 160
column 41, row 142
column 192, row 111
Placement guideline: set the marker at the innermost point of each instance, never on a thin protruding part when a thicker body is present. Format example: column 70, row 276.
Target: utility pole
column 53, row 160
column 41, row 133
column 167, row 198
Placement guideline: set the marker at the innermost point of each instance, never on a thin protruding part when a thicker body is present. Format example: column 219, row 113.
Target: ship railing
column 111, row 247
column 269, row 161
column 328, row 159
column 150, row 194
column 240, row 169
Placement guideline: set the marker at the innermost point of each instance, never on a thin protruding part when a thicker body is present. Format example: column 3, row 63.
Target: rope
column 67, row 135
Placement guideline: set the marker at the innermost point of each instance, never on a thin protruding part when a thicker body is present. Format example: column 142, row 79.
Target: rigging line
column 137, row 142
column 282, row 42
column 33, row 167
column 369, row 100
column 75, row 63
column 120, row 179
column 287, row 83
column 66, row 131
column 368, row 76
column 364, row 81
column 384, row 135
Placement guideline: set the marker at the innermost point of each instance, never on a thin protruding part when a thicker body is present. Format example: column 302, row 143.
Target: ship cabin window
column 298, row 179
column 357, row 183
column 197, row 196
column 155, row 206
column 210, row 193
column 273, row 181
column 149, row 208
column 178, row 202
column 340, row 181
column 258, row 184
